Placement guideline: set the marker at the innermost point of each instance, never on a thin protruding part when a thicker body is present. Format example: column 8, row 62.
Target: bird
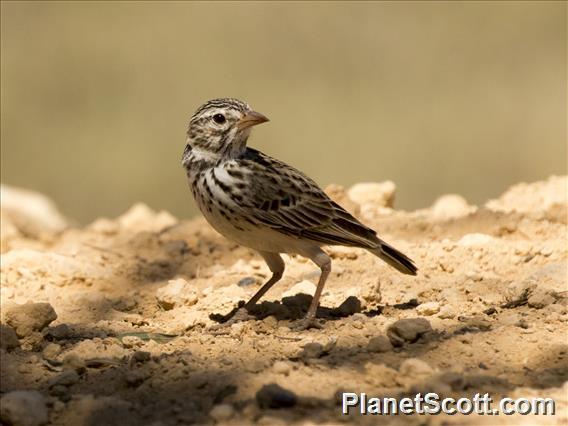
column 267, row 205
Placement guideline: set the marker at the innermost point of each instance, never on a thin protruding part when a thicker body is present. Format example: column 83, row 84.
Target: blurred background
column 437, row 96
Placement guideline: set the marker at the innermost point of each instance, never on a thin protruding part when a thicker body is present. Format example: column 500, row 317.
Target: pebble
column 379, row 344
column 281, row 367
column 380, row 194
column 446, row 312
column 8, row 338
column 540, row 299
column 408, row 330
column 222, row 412
column 177, row 292
column 414, row 367
column 51, row 351
column 476, row 239
column 23, row 408
column 275, row 396
column 29, row 317
column 428, row 308
column 312, row 350
column 140, row 356
column 451, row 206
column 350, row 306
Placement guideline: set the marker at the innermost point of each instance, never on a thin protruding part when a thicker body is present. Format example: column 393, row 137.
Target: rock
column 222, row 412
column 414, row 367
column 378, row 194
column 59, row 332
column 541, row 288
column 29, row 317
column 350, row 306
column 177, row 292
column 281, row 367
column 408, row 330
column 540, row 299
column 141, row 218
column 379, row 344
column 476, row 239
column 23, row 408
column 542, row 196
column 32, row 213
column 312, row 350
column 51, row 351
column 8, row 338
column 275, row 396
column 428, row 308
column 66, row 378
column 451, row 206
column 446, row 312
column 305, row 287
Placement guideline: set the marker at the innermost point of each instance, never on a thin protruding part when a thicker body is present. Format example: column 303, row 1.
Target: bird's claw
column 306, row 324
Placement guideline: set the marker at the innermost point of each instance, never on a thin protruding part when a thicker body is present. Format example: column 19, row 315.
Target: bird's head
column 222, row 126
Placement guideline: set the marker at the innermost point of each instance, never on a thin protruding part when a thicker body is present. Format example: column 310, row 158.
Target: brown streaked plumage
column 264, row 203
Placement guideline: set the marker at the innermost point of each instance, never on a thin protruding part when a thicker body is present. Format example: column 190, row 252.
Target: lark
column 265, row 204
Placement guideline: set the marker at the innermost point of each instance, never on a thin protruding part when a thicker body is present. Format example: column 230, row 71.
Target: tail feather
column 395, row 258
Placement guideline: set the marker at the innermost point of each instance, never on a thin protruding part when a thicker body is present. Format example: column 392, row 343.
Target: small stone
column 379, row 344
column 451, row 206
column 29, row 317
column 303, row 287
column 379, row 194
column 23, row 408
column 312, row 350
column 67, row 378
column 539, row 299
column 281, row 367
column 428, row 308
column 246, row 281
column 446, row 312
column 414, row 367
column 275, row 396
column 408, row 330
column 350, row 306
column 222, row 412
column 8, row 338
column 59, row 332
column 177, row 292
column 61, row 392
column 51, row 351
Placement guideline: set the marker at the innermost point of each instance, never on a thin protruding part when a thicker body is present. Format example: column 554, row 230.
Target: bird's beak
column 252, row 118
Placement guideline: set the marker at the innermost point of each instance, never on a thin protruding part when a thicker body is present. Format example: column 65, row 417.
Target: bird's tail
column 395, row 258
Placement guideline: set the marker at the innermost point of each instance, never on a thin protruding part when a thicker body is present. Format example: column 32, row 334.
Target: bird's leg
column 276, row 265
column 320, row 258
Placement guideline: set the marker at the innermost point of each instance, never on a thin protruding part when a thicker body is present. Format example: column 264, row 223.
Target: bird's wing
column 286, row 200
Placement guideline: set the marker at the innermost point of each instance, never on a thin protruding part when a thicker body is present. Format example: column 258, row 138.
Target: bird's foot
column 306, row 324
column 227, row 321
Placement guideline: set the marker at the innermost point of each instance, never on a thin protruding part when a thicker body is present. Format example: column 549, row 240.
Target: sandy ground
column 110, row 324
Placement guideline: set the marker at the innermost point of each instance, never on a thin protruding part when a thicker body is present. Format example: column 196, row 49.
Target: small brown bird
column 265, row 204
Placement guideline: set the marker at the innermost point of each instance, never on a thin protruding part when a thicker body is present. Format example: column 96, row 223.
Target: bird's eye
column 219, row 118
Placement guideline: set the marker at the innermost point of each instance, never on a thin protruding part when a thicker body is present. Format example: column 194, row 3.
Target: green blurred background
column 439, row 97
